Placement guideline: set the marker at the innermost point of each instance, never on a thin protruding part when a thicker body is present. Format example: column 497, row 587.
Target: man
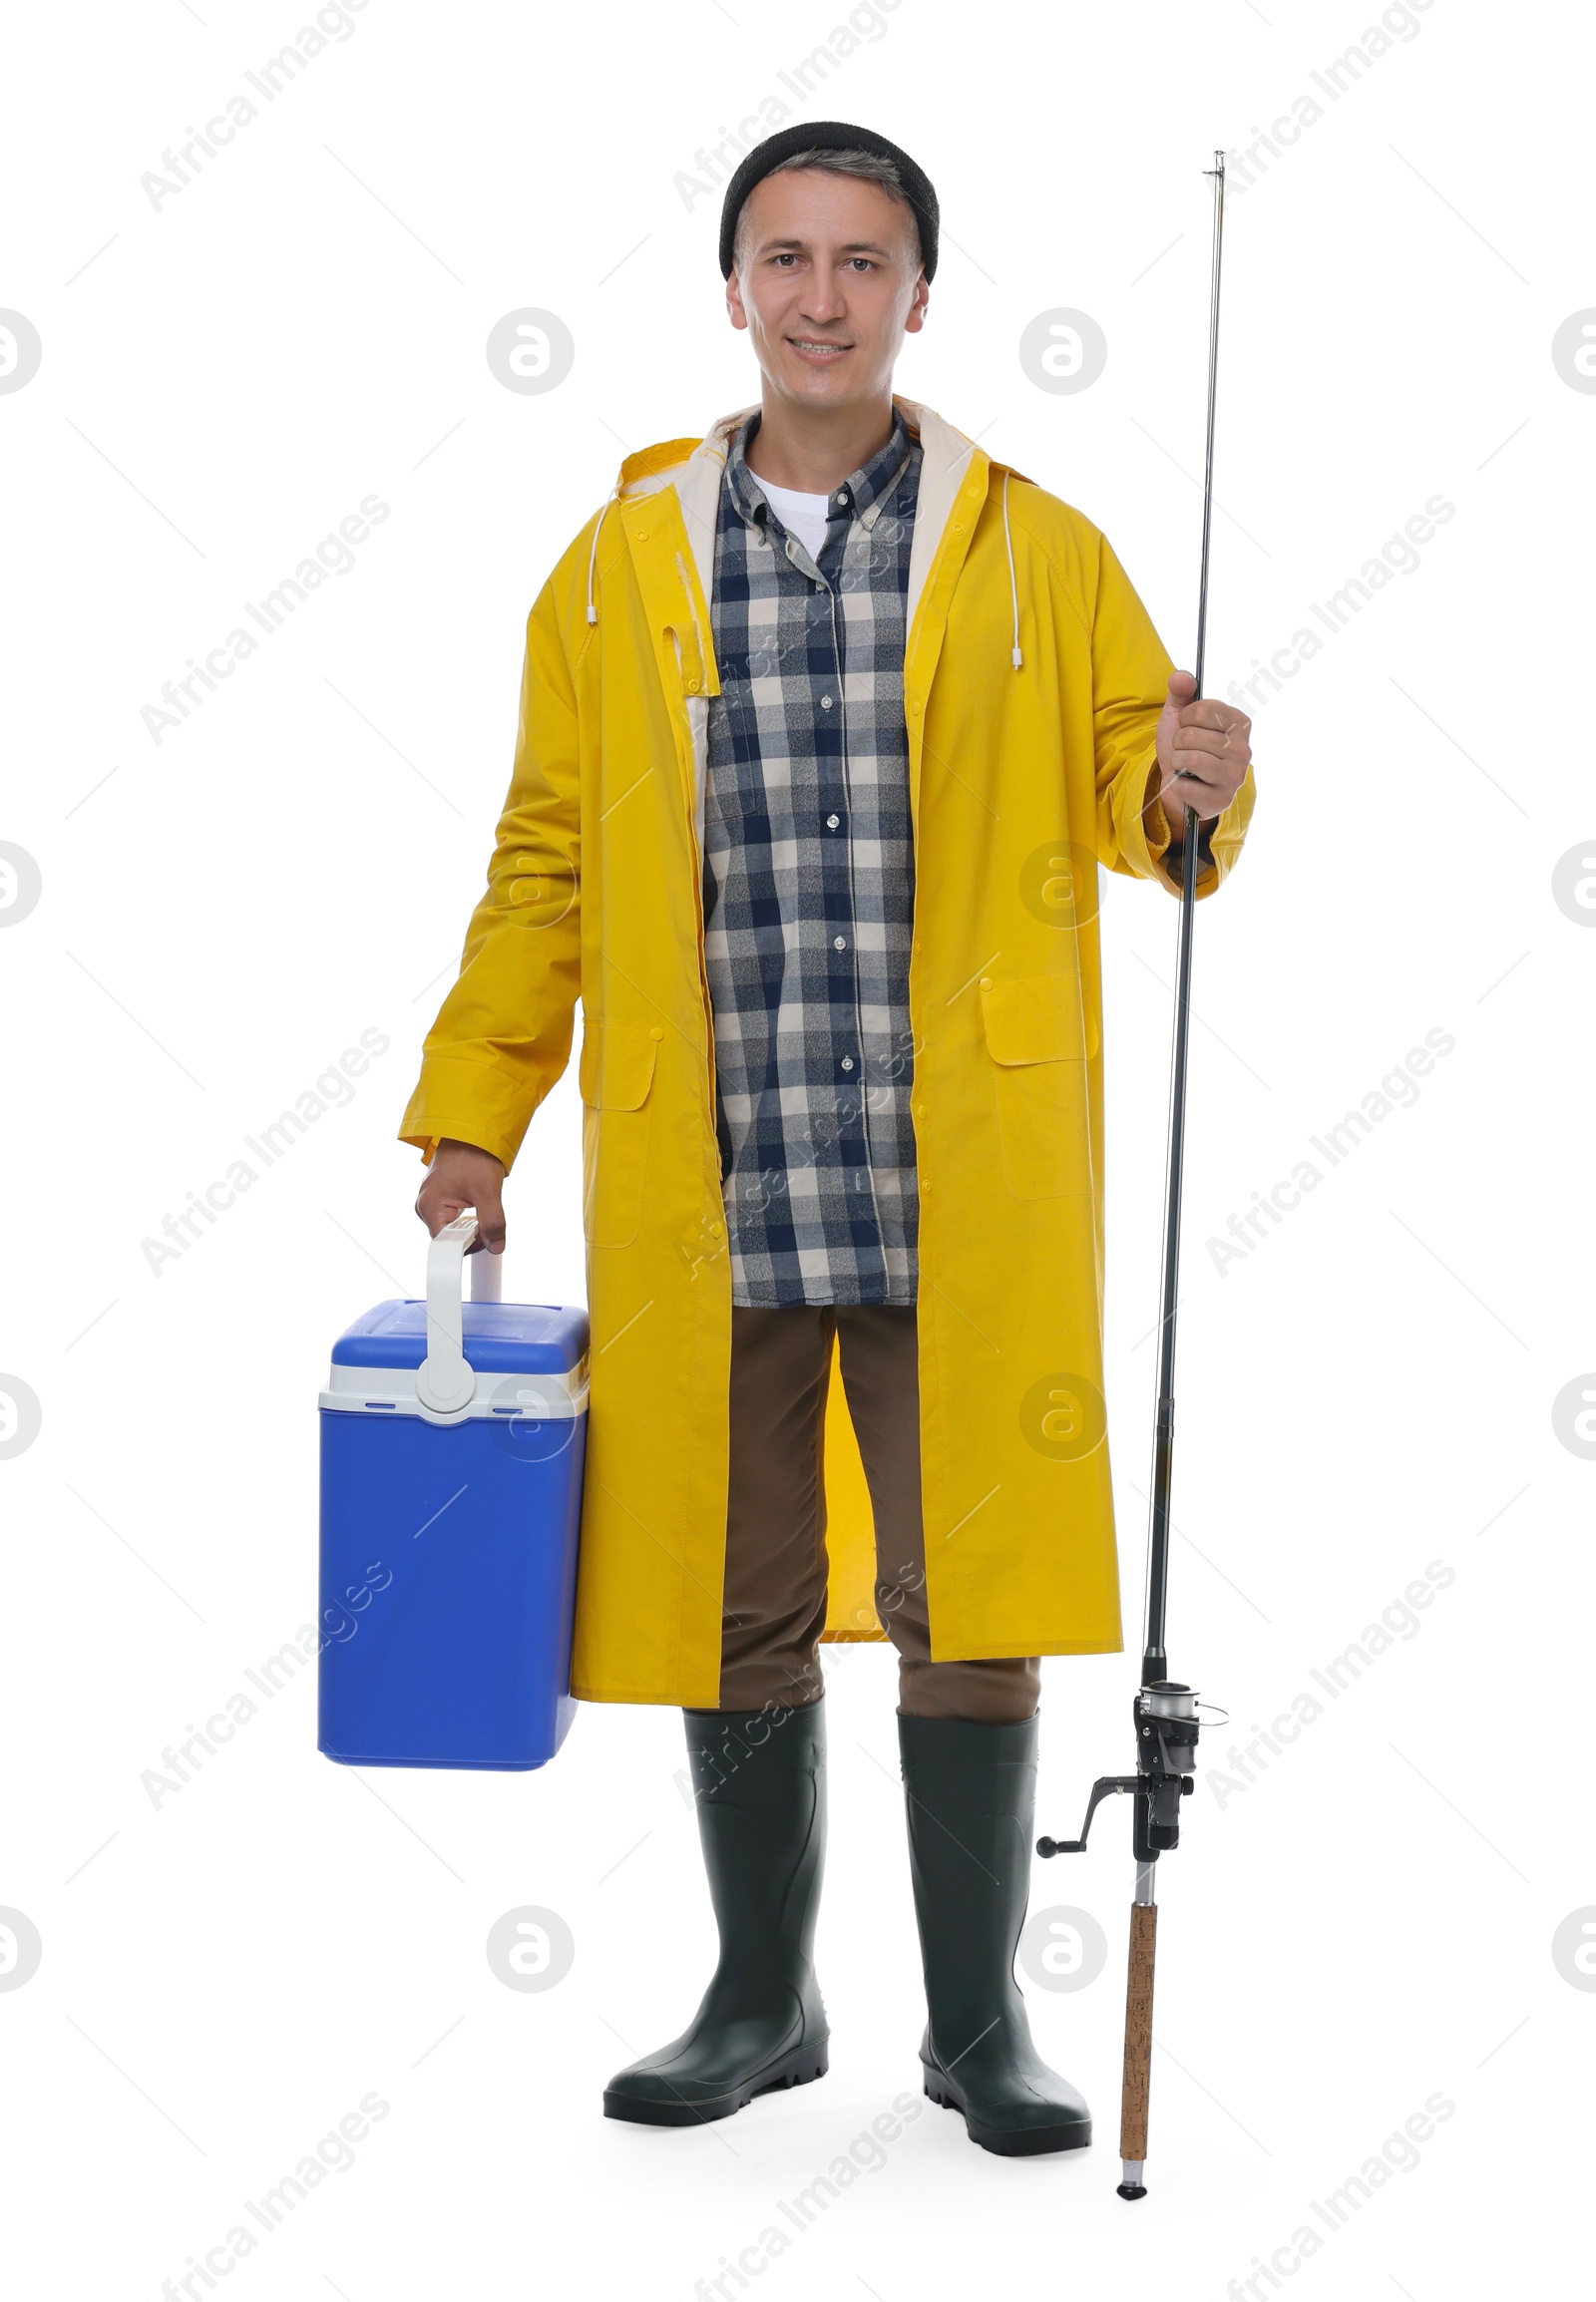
column 827, row 721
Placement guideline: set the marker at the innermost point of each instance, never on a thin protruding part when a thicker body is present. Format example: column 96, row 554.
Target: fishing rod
column 1165, row 1710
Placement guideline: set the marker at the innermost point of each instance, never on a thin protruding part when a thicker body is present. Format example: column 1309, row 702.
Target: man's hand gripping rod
column 1166, row 1711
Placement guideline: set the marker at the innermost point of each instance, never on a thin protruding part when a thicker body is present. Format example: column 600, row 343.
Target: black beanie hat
column 829, row 136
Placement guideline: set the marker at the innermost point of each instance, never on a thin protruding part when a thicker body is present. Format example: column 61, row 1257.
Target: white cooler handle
column 444, row 1382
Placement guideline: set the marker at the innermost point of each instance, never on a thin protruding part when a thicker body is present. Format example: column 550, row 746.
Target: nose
column 823, row 301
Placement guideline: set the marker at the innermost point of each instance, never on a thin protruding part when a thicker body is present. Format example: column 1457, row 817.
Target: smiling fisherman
column 827, row 721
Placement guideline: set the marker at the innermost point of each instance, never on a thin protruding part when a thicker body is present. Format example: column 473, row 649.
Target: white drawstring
column 593, row 612
column 1014, row 596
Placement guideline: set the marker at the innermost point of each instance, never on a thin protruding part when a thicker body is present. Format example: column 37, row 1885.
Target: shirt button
column 715, row 1231
column 832, row 821
column 839, row 943
column 847, row 1062
column 656, row 1033
column 825, row 703
column 985, row 982
column 915, row 707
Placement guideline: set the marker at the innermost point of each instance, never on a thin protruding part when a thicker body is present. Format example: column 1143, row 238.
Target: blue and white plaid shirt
column 809, row 887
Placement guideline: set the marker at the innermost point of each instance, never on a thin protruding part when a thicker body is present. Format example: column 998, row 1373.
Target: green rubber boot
column 971, row 1795
column 762, row 1822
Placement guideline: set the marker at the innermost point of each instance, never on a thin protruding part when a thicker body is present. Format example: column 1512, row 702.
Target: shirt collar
column 860, row 495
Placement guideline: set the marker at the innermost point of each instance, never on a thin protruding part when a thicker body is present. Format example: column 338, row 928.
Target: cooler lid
column 497, row 1337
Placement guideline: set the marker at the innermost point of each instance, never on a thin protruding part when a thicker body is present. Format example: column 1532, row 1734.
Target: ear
column 734, row 305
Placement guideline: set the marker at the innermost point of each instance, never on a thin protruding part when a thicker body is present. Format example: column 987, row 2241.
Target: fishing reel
column 1165, row 1715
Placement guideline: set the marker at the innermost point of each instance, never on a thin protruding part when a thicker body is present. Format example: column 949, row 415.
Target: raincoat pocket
column 1035, row 1037
column 615, row 1079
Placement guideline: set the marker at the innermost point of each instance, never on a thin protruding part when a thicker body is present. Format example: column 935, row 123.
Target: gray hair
column 875, row 167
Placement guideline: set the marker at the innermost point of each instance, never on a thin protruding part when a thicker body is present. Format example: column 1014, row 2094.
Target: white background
column 1369, row 1922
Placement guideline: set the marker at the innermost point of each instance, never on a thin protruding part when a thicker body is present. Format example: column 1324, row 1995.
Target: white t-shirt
column 802, row 516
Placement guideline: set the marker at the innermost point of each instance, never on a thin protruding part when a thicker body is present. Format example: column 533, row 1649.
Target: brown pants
column 774, row 1607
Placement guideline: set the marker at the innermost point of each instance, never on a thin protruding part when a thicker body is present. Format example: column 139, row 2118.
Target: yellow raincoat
column 1033, row 683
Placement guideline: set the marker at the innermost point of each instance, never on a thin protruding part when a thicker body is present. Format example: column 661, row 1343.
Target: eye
column 865, row 261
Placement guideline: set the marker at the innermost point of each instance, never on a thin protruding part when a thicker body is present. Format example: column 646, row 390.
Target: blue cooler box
column 452, row 1444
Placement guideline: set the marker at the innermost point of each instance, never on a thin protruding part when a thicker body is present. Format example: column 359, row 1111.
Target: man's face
column 829, row 285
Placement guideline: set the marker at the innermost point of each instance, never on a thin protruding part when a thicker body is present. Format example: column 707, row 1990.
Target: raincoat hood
column 696, row 470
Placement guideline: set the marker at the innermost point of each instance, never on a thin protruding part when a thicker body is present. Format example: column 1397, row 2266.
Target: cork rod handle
column 1138, row 2032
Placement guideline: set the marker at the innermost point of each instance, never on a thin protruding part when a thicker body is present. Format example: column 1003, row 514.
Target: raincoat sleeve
column 1130, row 676
column 502, row 1035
